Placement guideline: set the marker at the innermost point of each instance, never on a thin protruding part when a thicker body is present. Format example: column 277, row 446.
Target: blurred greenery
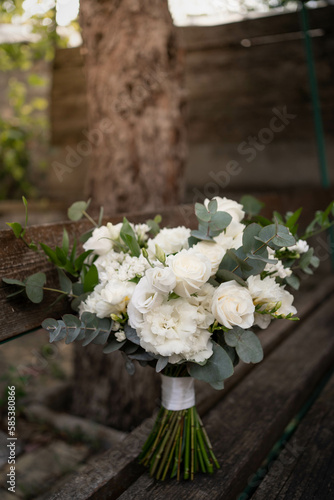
column 25, row 124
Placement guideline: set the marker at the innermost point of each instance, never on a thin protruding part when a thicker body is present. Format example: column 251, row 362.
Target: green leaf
column 64, row 282
column 249, row 242
column 131, row 334
column 85, row 236
column 257, row 256
column 74, row 250
column 66, row 242
column 113, row 345
column 244, row 266
column 78, row 263
column 61, row 256
column 128, row 236
column 283, row 238
column 34, row 287
column 201, row 212
column 219, row 222
column 200, row 235
column 292, row 220
column 267, row 234
column 50, row 253
column 100, row 217
column 76, row 210
column 11, row 281
column 293, row 281
column 25, row 203
column 71, row 321
column 224, row 275
column 218, row 367
column 246, row 343
column 49, row 323
column 161, row 364
column 91, row 279
column 213, row 206
column 16, row 228
column 252, row 206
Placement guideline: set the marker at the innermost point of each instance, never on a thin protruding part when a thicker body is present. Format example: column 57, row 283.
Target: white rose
column 162, row 279
column 213, row 252
column 232, row 305
column 171, row 330
column 145, row 297
column 192, row 269
column 232, row 236
column 232, row 207
column 300, row 247
column 170, row 240
column 100, row 241
column 267, row 293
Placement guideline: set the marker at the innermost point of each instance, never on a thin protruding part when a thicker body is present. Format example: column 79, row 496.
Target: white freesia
column 170, row 240
column 232, row 305
column 162, row 279
column 145, row 297
column 114, row 230
column 300, row 247
column 277, row 269
column 191, row 269
column 213, row 252
column 232, row 207
column 171, row 330
column 267, row 294
column 120, row 336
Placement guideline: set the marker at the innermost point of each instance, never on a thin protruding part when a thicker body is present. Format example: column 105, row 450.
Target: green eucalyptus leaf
column 76, row 210
column 283, row 237
column 249, row 242
column 161, row 364
column 200, row 235
column 113, row 345
column 293, row 281
column 34, row 287
column 218, row 367
column 252, row 206
column 224, row 275
column 213, row 206
column 11, row 281
column 246, row 343
column 202, row 213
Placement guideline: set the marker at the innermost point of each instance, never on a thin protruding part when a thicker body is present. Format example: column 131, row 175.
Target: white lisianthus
column 300, row 247
column 100, row 241
column 114, row 230
column 191, row 269
column 171, row 330
column 170, row 240
column 267, row 294
column 144, row 297
column 232, row 207
column 162, row 279
column 232, row 236
column 232, row 305
column 213, row 252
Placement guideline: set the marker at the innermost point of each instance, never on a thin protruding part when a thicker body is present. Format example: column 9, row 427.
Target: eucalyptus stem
column 89, row 218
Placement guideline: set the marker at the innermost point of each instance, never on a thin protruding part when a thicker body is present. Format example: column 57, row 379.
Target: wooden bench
column 244, row 421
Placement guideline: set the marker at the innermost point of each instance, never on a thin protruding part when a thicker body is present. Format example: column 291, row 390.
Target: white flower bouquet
column 182, row 302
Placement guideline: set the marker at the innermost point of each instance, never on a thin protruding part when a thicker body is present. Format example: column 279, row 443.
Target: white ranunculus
column 144, row 297
column 213, row 252
column 171, row 330
column 300, row 247
column 232, row 305
column 170, row 240
column 100, row 241
column 192, row 269
column 232, row 236
column 232, row 207
column 267, row 293
column 162, row 279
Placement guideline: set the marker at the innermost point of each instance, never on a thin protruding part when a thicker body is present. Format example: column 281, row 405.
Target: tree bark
column 134, row 74
column 135, row 112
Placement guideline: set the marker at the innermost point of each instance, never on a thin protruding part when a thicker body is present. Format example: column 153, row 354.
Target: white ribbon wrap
column 178, row 393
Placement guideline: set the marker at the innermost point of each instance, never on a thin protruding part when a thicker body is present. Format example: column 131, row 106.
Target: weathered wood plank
column 309, row 472
column 246, row 424
column 17, row 314
column 101, row 480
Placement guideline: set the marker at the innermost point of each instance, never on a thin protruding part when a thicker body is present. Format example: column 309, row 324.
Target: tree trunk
column 133, row 73
column 134, row 100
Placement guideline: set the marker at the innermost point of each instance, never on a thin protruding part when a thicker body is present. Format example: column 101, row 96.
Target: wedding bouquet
column 182, row 302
